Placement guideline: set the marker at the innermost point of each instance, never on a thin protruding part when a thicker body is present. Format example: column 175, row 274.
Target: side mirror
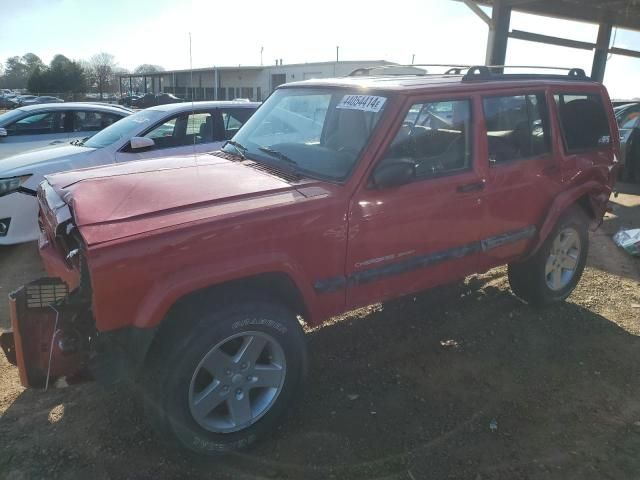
column 138, row 143
column 3, row 132
column 395, row 173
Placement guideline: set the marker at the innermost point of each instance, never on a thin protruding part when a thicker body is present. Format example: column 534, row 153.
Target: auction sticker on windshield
column 366, row 103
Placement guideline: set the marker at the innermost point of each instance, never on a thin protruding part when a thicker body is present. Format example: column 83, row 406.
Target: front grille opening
column 43, row 294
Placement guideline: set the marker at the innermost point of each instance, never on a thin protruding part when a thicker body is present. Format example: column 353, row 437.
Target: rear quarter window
column 584, row 121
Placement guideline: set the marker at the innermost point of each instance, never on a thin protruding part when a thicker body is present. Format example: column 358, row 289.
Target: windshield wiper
column 79, row 142
column 239, row 148
column 277, row 154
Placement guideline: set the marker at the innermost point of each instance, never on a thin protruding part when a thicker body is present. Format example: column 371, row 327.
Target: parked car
column 20, row 99
column 128, row 99
column 177, row 129
column 8, row 103
column 628, row 118
column 191, row 275
column 150, row 99
column 39, row 100
column 37, row 126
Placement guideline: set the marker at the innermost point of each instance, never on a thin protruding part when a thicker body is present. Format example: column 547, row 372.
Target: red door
column 426, row 232
column 523, row 173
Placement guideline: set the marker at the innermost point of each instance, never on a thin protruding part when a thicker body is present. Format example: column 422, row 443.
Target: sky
column 233, row 33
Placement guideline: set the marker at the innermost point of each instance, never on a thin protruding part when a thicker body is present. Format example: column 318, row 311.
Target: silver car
column 37, row 126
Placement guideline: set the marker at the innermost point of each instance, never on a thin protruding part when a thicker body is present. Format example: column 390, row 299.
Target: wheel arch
column 590, row 198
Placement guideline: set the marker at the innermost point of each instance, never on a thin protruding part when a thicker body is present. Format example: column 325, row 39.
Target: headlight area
column 14, row 184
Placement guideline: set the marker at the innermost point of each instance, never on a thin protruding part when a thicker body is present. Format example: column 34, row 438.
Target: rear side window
column 517, row 127
column 436, row 136
column 92, row 121
column 584, row 122
column 39, row 124
column 233, row 119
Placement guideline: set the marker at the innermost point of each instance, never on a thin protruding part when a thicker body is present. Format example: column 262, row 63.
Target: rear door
column 407, row 238
column 523, row 173
column 36, row 130
column 233, row 119
column 88, row 122
column 182, row 134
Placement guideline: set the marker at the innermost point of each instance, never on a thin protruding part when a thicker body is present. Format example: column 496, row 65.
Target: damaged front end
column 50, row 333
column 52, row 328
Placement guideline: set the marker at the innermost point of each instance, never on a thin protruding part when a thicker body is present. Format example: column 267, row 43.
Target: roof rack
column 488, row 72
column 454, row 69
column 471, row 73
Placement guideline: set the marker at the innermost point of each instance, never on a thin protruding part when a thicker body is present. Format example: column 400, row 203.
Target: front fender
column 171, row 288
column 595, row 192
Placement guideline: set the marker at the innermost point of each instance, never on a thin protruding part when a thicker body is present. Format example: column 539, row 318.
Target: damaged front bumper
column 49, row 335
column 52, row 334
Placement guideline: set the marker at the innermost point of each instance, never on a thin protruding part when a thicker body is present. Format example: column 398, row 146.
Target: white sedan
column 162, row 131
column 36, row 126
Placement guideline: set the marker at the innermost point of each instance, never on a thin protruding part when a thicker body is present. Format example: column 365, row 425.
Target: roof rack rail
column 487, row 72
column 454, row 69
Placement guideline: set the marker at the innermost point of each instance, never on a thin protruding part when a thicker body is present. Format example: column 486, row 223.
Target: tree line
column 69, row 77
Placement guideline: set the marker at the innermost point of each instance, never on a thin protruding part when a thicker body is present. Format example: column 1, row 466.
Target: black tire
column 177, row 355
column 528, row 279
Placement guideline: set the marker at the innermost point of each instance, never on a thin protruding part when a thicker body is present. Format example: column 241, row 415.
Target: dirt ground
column 404, row 390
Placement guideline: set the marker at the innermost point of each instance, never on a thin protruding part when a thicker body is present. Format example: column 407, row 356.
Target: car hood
column 115, row 201
column 26, row 162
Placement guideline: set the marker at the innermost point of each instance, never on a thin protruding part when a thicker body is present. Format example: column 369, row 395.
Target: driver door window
column 436, row 136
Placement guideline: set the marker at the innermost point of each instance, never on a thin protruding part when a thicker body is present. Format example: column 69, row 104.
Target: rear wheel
column 554, row 271
column 231, row 377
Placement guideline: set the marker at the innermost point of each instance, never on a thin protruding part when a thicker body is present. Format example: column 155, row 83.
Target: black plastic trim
column 334, row 284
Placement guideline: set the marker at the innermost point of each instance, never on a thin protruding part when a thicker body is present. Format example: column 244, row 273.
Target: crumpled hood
column 140, row 196
column 26, row 162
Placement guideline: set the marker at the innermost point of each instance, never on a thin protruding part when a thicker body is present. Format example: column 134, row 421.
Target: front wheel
column 556, row 268
column 230, row 378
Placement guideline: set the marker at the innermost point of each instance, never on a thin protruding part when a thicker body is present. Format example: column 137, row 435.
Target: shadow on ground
column 430, row 373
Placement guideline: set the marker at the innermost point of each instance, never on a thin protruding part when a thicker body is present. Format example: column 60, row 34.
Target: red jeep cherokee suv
column 191, row 276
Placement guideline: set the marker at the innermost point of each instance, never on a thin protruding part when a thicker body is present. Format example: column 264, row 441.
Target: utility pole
column 413, row 57
column 261, row 50
column 337, row 53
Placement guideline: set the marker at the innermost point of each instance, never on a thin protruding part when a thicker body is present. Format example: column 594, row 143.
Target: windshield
column 126, row 128
column 320, row 132
column 9, row 116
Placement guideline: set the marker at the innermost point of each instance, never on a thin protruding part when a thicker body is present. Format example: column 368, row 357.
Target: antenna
column 192, row 106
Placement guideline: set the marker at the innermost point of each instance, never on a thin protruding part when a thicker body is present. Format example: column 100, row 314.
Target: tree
column 62, row 76
column 18, row 69
column 147, row 68
column 102, row 65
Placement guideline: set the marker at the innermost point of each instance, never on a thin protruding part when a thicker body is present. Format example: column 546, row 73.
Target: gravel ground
column 403, row 390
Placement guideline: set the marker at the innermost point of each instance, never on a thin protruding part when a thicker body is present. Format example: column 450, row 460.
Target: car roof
column 186, row 106
column 100, row 107
column 399, row 83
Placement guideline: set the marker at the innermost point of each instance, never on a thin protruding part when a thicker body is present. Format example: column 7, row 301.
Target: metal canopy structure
column 607, row 14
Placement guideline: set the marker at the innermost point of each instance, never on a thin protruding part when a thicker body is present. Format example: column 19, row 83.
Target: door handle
column 471, row 187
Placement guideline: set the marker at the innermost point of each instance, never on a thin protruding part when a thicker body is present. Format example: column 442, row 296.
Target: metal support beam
column 479, row 12
column 561, row 42
column 602, row 50
column 499, row 35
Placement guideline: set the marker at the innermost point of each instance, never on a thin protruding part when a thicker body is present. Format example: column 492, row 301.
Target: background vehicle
column 177, row 129
column 39, row 100
column 31, row 127
column 128, row 99
column 628, row 118
column 336, row 194
column 151, row 99
column 8, row 102
column 20, row 99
